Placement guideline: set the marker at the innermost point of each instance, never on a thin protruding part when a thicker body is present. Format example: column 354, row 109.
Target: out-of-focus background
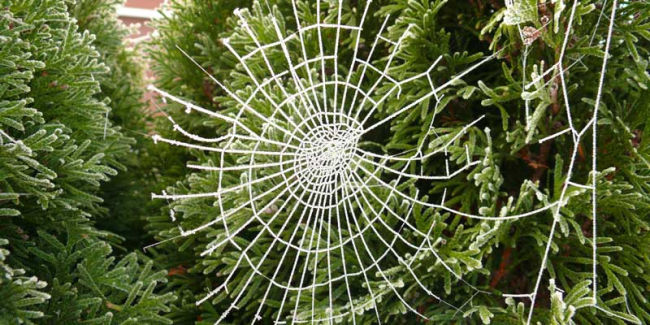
column 139, row 12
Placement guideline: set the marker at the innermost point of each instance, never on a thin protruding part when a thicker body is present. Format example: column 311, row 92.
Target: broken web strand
column 413, row 201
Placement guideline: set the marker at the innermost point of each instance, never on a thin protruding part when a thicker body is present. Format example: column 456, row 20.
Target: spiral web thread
column 317, row 171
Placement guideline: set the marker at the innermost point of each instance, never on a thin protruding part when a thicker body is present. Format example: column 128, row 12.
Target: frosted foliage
column 519, row 12
column 327, row 210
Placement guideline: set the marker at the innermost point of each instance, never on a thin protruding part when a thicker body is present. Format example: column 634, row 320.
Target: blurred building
column 139, row 12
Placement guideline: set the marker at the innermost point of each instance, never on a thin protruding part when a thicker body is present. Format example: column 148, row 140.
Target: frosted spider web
column 315, row 195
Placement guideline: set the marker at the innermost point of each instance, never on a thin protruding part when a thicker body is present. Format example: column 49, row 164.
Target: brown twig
column 502, row 271
column 542, row 161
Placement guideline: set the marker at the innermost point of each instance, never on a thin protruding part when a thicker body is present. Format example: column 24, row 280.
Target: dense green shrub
column 70, row 92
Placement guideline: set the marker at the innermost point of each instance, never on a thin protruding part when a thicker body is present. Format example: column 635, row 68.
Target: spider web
column 308, row 184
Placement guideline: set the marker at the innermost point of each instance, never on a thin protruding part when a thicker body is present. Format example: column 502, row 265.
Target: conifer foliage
column 61, row 84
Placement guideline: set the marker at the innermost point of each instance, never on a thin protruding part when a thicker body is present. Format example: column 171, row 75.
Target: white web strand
column 594, row 157
column 306, row 173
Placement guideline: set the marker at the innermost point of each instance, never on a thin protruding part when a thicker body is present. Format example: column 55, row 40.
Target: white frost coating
column 313, row 193
column 519, row 12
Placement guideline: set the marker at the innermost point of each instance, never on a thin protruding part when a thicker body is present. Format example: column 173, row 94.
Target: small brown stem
column 502, row 271
column 113, row 306
column 541, row 166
